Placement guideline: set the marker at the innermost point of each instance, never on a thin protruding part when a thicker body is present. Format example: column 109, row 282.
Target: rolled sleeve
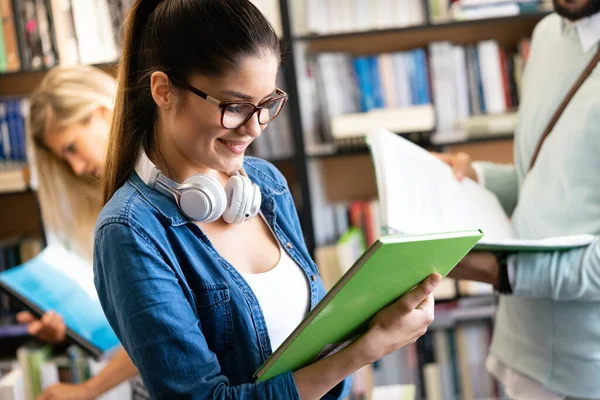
column 560, row 276
column 149, row 310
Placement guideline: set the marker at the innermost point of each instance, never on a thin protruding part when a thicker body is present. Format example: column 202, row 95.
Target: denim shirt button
column 314, row 278
column 289, row 245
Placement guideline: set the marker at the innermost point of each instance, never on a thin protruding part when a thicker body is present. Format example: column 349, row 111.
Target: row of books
column 453, row 362
column 460, row 10
column 389, row 80
column 437, row 90
column 445, row 364
column 39, row 34
column 322, row 17
column 356, row 226
column 338, row 16
column 37, row 368
column 474, row 80
column 13, row 112
column 13, row 148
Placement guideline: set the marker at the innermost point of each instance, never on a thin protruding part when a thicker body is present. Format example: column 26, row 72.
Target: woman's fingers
column 416, row 296
column 25, row 317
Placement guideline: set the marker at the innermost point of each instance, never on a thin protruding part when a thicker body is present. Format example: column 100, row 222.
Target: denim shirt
column 186, row 317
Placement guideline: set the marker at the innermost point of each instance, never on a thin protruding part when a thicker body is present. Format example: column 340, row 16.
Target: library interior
column 378, row 202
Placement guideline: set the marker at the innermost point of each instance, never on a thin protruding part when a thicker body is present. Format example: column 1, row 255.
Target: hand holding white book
column 418, row 193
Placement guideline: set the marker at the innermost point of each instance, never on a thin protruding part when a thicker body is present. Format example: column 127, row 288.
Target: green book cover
column 3, row 60
column 392, row 266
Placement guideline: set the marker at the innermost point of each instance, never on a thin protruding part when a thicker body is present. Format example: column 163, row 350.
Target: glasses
column 235, row 114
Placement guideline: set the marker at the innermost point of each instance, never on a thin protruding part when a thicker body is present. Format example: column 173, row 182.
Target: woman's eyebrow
column 244, row 96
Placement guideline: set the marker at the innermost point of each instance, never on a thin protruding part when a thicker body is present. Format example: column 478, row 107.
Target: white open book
column 418, row 193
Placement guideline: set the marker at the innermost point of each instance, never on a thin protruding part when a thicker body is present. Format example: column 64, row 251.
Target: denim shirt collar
column 169, row 210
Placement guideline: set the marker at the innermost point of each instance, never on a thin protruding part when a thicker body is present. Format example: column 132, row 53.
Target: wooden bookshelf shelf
column 23, row 83
column 20, row 215
column 424, row 141
column 507, row 30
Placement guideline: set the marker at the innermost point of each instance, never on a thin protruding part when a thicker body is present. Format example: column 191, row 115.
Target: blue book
column 376, row 82
column 422, row 77
column 362, row 70
column 410, row 63
column 3, row 130
column 60, row 281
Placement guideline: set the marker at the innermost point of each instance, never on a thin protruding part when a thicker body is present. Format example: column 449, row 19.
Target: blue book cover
column 2, row 128
column 367, row 98
column 410, row 63
column 60, row 281
column 376, row 82
column 422, row 77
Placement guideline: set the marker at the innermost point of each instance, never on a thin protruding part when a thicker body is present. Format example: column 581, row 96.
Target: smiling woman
column 191, row 227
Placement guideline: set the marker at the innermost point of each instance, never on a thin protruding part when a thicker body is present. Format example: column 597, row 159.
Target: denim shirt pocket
column 214, row 310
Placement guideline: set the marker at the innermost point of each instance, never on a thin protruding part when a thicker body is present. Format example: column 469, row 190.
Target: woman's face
column 190, row 134
column 82, row 145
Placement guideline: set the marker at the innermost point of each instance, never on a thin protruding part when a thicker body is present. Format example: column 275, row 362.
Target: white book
column 419, row 194
column 362, row 14
column 86, row 29
column 66, row 42
column 12, row 386
column 491, row 77
column 106, row 34
column 119, row 392
column 461, row 83
column 49, row 374
column 402, row 80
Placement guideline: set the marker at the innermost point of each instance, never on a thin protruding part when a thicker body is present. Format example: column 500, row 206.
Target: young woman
column 199, row 259
column 68, row 128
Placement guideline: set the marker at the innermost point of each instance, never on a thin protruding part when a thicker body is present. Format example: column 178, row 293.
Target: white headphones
column 201, row 197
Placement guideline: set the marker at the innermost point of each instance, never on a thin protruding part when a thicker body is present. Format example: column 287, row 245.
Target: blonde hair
column 70, row 204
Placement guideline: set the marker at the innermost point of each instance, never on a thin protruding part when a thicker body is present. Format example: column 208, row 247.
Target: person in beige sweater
column 547, row 333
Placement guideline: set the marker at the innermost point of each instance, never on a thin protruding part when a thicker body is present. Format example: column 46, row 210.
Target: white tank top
column 284, row 297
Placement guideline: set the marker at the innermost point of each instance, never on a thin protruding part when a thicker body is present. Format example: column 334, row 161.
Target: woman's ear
column 162, row 90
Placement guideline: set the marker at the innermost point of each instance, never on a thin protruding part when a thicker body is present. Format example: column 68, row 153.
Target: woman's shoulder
column 130, row 206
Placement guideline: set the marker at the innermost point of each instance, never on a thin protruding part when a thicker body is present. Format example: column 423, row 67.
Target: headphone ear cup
column 202, row 198
column 236, row 192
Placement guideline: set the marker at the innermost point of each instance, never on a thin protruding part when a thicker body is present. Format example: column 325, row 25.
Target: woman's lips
column 235, row 146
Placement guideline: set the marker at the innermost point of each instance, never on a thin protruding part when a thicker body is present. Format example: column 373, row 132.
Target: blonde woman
column 69, row 120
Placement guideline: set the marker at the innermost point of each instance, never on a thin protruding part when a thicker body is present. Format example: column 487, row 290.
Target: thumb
column 416, row 296
column 461, row 165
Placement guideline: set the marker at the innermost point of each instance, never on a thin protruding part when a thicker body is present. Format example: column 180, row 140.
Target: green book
column 3, row 60
column 389, row 268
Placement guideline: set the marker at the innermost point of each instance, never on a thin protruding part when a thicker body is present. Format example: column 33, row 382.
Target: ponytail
column 123, row 142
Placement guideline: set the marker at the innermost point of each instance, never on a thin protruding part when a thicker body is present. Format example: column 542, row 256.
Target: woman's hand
column 51, row 328
column 63, row 391
column 402, row 322
column 460, row 163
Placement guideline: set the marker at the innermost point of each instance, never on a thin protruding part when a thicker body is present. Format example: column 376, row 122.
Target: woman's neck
column 176, row 166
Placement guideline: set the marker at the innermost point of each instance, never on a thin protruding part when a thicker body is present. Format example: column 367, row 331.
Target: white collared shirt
column 517, row 385
column 588, row 30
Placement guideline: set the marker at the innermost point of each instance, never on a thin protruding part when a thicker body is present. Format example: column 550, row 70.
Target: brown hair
column 179, row 38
